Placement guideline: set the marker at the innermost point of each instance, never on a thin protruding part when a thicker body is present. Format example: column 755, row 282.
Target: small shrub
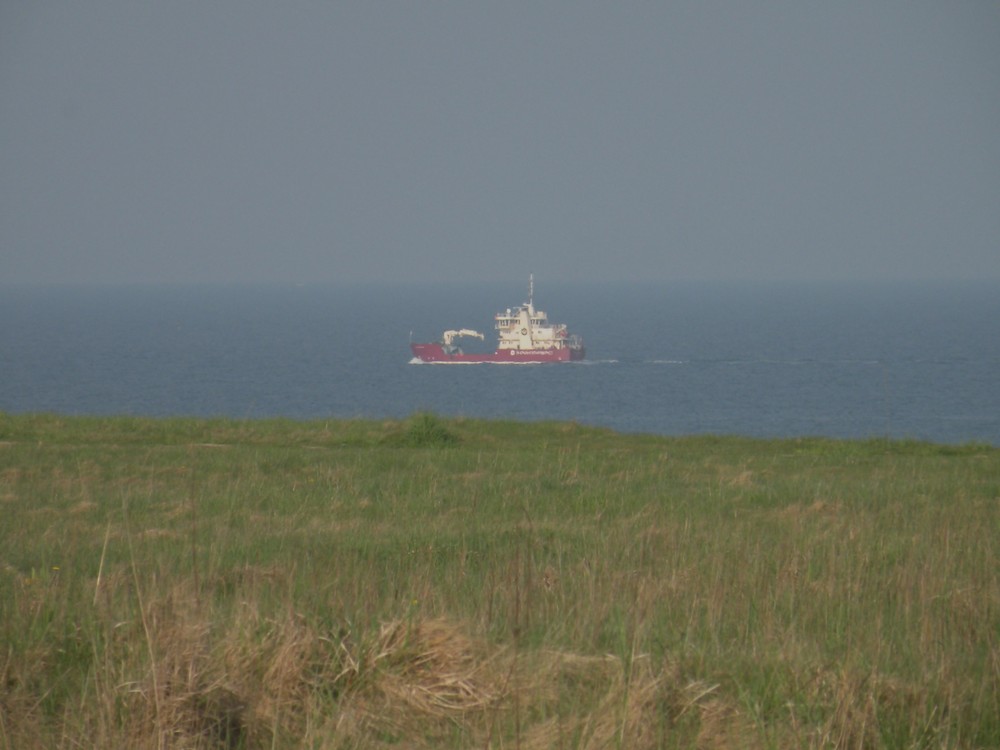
column 427, row 430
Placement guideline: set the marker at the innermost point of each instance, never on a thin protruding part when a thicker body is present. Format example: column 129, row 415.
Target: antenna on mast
column 531, row 289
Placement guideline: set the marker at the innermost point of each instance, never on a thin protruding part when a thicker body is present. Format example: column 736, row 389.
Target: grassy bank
column 461, row 583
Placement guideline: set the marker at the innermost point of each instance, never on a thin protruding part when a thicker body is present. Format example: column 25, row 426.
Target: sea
column 772, row 360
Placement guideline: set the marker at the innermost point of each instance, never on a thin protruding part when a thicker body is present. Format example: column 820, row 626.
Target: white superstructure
column 525, row 328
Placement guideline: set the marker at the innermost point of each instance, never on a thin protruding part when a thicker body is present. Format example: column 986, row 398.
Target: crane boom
column 450, row 336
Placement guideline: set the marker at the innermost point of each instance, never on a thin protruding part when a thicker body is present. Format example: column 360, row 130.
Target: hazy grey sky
column 243, row 141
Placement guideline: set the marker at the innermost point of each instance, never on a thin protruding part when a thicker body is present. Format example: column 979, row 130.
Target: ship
column 525, row 336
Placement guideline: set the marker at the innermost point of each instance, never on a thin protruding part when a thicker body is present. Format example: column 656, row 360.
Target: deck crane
column 449, row 336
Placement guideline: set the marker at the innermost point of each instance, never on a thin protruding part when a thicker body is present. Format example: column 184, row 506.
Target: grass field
column 435, row 583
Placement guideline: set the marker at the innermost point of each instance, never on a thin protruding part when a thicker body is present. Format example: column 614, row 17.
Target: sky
column 353, row 142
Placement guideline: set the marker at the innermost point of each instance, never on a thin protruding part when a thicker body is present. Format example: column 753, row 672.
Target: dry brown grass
column 258, row 682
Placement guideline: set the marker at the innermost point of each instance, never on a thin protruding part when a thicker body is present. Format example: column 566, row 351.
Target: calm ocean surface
column 908, row 361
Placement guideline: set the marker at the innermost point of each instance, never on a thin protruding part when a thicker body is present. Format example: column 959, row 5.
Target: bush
column 427, row 430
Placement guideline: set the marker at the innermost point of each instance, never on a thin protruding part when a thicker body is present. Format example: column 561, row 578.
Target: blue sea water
column 771, row 360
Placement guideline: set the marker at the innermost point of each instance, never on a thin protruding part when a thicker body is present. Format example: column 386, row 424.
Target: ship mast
column 531, row 291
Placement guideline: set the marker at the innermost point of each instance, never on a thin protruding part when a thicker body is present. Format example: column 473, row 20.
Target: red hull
column 435, row 353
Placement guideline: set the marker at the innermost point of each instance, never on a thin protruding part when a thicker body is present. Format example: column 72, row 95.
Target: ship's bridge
column 525, row 315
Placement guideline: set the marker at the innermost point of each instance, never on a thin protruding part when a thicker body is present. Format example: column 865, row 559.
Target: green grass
column 464, row 583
